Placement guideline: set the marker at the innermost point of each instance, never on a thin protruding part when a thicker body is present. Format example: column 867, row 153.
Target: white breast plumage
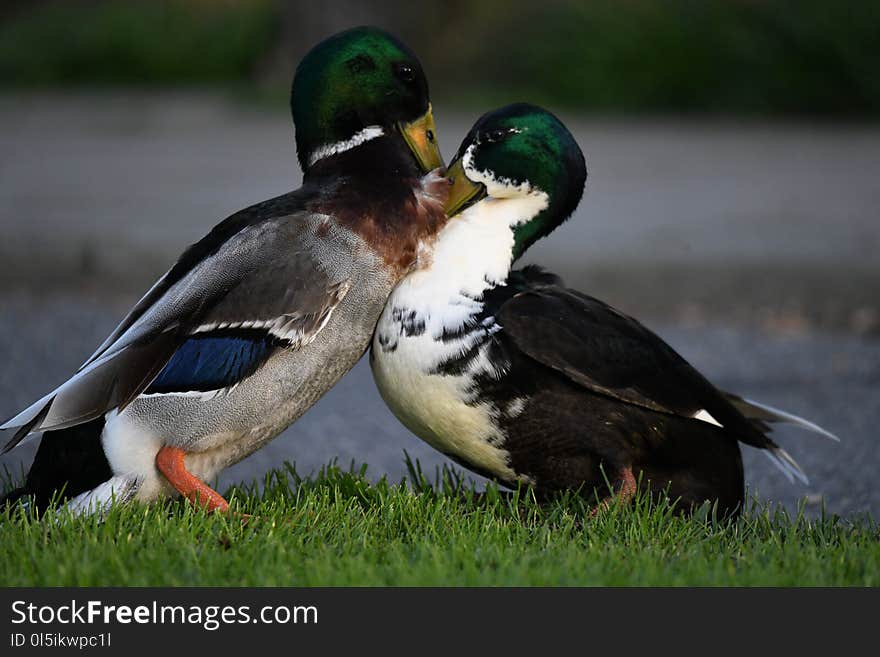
column 435, row 406
column 430, row 319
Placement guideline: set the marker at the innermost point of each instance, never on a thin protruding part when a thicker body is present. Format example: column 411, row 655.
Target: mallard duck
column 258, row 319
column 523, row 380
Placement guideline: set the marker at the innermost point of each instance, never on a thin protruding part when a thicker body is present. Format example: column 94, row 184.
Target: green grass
column 338, row 529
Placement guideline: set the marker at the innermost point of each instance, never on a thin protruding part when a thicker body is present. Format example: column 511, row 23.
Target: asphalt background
column 751, row 247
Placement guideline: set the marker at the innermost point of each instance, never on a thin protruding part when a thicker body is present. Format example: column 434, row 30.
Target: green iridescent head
column 515, row 151
column 355, row 84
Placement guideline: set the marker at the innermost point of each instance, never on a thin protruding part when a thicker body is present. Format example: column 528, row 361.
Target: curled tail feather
column 764, row 416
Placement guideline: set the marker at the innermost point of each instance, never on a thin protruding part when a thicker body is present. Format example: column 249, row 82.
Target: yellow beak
column 421, row 137
column 464, row 192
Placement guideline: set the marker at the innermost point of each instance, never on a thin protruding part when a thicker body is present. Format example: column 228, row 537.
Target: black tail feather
column 68, row 462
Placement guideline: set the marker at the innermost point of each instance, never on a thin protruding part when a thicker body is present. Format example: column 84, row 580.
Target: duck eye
column 405, row 72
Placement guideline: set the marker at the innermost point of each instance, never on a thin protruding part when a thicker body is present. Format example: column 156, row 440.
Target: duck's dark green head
column 355, row 84
column 520, row 151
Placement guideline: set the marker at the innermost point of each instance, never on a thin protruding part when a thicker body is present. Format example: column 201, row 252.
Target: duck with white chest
column 523, row 380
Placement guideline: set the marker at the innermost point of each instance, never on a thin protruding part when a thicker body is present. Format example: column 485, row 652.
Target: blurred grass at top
column 752, row 57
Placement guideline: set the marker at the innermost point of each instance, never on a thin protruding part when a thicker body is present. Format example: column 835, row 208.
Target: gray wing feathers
column 105, row 383
column 138, row 310
column 291, row 292
column 267, row 275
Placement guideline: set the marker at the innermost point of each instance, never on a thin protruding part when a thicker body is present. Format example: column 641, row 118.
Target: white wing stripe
column 705, row 416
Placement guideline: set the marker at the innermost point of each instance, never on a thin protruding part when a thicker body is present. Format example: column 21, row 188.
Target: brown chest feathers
column 397, row 227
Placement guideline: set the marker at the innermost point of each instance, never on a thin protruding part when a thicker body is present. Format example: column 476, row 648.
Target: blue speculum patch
column 216, row 360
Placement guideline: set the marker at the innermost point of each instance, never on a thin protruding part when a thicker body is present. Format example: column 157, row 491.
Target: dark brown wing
column 612, row 354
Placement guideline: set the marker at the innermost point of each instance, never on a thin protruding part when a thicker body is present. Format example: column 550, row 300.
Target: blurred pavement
column 676, row 214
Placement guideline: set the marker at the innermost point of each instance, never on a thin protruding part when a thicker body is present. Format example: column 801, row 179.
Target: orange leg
column 625, row 493
column 169, row 460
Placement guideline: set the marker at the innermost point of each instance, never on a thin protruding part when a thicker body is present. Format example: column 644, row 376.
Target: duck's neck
column 371, row 154
column 472, row 254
